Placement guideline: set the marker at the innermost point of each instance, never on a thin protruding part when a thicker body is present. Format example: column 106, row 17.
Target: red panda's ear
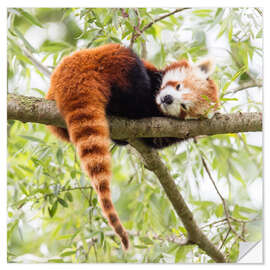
column 206, row 66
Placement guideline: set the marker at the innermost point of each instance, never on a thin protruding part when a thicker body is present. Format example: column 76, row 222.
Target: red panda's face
column 186, row 90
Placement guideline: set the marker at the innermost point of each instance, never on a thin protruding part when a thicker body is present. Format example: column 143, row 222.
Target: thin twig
column 225, row 206
column 136, row 29
column 50, row 194
column 139, row 32
column 37, row 64
column 124, row 14
column 162, row 17
column 213, row 223
column 244, row 86
column 224, row 240
column 259, row 11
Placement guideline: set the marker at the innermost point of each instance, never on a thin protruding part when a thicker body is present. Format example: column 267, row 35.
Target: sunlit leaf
column 32, row 19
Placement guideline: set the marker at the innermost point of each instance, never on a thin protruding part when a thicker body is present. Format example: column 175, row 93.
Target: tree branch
column 39, row 110
column 195, row 235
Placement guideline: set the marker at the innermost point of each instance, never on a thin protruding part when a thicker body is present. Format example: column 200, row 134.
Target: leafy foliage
column 53, row 214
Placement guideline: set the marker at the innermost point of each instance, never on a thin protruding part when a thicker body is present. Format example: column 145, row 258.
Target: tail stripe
column 103, row 186
column 119, row 229
column 97, row 168
column 106, row 203
column 93, row 150
column 80, row 117
column 124, row 240
column 87, row 132
column 113, row 218
column 77, row 104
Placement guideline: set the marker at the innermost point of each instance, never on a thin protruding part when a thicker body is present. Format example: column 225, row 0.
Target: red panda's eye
column 178, row 86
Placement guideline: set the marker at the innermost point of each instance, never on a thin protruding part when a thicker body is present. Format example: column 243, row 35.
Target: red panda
column 113, row 80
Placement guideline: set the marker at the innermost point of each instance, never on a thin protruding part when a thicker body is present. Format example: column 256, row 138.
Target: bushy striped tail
column 88, row 130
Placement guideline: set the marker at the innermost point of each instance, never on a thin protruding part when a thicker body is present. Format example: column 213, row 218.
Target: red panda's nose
column 168, row 99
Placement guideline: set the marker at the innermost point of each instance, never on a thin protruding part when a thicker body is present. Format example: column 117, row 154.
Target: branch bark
column 31, row 109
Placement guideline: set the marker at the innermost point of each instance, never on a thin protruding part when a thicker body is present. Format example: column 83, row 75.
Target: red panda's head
column 186, row 90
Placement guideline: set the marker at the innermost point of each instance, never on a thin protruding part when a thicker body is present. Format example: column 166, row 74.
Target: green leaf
column 218, row 17
column 31, row 138
column 59, row 155
column 67, row 253
column 54, row 47
column 26, row 43
column 234, row 252
column 23, row 189
column 236, row 213
column 107, row 20
column 146, row 240
column 158, row 11
column 14, row 225
column 66, row 236
column 223, row 28
column 42, row 93
column 230, row 32
column 182, row 230
column 198, row 11
column 235, row 76
column 94, row 201
column 140, row 246
column 52, row 210
column 234, row 172
column 259, row 34
column 73, row 174
column 68, row 196
column 115, row 39
column 246, row 210
column 181, row 253
column 23, row 58
column 56, row 261
column 62, row 202
column 229, row 99
column 219, row 211
column 29, row 17
column 174, row 20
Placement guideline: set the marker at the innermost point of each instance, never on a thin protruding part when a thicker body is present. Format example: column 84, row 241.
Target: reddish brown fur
column 149, row 66
column 81, row 94
column 181, row 64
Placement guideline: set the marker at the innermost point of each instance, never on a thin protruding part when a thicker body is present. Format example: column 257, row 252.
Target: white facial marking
column 174, row 75
column 174, row 108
